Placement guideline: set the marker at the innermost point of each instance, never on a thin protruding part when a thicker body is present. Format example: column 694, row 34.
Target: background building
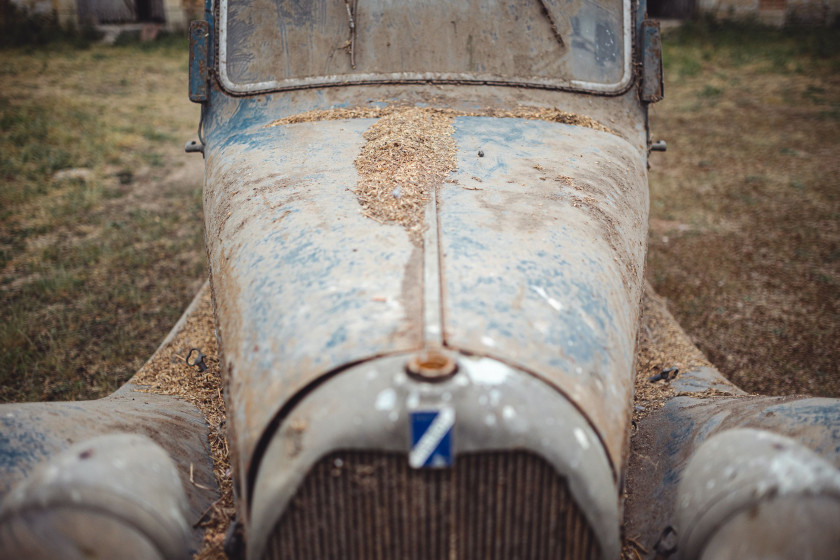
column 769, row 12
column 171, row 15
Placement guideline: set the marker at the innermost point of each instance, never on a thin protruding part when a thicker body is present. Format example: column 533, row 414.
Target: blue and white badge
column 431, row 438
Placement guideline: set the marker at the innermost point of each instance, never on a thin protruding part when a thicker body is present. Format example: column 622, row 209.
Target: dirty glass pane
column 278, row 42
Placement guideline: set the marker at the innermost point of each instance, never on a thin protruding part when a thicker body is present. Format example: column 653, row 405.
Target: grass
column 744, row 238
column 100, row 213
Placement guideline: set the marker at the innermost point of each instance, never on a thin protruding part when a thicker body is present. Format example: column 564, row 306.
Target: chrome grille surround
column 362, row 415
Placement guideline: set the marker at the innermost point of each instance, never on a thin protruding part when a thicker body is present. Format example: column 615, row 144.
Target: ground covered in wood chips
column 662, row 344
column 168, row 373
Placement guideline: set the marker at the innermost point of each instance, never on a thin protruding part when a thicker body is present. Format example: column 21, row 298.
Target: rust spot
column 411, row 297
column 432, row 366
column 294, row 436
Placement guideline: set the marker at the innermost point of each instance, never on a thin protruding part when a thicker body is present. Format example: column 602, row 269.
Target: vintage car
column 426, row 226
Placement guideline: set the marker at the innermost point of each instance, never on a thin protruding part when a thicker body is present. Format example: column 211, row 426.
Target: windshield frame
column 616, row 88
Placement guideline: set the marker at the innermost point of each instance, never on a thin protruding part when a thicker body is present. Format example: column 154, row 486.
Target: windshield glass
column 279, row 44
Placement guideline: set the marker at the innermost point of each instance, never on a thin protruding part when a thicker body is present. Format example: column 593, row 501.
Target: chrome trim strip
column 433, row 320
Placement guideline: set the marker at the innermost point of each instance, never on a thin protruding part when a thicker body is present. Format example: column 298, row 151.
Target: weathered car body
column 523, row 275
column 426, row 232
column 717, row 473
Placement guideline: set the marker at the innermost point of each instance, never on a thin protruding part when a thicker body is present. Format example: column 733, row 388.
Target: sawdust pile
column 166, row 373
column 543, row 114
column 521, row 112
column 662, row 344
column 338, row 114
column 409, row 152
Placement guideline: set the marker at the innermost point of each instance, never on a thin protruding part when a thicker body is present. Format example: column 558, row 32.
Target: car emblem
column 431, row 438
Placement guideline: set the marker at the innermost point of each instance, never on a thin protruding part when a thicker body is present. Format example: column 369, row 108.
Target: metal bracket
column 199, row 47
column 194, row 146
column 198, row 361
column 653, row 84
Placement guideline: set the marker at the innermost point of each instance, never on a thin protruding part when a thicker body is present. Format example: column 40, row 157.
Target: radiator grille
column 366, row 505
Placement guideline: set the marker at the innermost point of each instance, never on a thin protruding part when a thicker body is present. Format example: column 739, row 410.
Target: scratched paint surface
column 229, row 116
column 667, row 439
column 303, row 282
column 543, row 244
column 32, row 433
column 813, row 422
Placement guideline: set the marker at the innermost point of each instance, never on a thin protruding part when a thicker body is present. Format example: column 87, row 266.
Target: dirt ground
column 745, row 204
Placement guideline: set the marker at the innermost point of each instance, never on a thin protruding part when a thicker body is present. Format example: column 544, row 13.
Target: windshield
column 566, row 44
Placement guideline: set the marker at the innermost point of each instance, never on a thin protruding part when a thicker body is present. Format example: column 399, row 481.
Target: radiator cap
column 432, row 365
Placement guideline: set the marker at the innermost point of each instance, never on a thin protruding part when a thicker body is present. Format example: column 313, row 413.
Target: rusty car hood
column 543, row 243
column 539, row 244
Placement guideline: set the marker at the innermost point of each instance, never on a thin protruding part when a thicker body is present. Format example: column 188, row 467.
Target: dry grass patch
column 745, row 228
column 100, row 214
